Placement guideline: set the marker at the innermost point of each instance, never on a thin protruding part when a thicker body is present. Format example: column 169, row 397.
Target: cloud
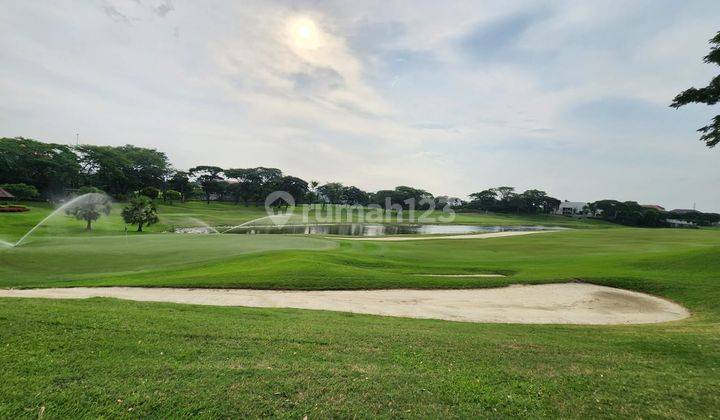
column 499, row 38
column 572, row 98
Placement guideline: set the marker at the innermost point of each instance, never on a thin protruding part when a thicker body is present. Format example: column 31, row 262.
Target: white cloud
column 380, row 93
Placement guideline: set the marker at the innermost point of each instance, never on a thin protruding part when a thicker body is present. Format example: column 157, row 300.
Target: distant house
column 4, row 195
column 653, row 206
column 572, row 208
column 684, row 211
column 677, row 223
column 452, row 201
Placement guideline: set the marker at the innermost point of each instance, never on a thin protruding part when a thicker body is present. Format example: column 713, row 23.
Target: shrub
column 21, row 191
column 87, row 189
column 171, row 195
column 150, row 192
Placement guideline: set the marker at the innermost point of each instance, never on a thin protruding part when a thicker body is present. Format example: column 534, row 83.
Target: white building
column 676, row 223
column 572, row 208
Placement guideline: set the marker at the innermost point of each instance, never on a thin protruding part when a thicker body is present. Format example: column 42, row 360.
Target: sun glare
column 304, row 33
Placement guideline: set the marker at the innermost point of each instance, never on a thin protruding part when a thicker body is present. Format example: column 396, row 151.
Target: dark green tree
column 709, row 95
column 180, row 182
column 150, row 192
column 48, row 167
column 332, row 192
column 354, row 195
column 295, row 186
column 208, row 177
column 140, row 211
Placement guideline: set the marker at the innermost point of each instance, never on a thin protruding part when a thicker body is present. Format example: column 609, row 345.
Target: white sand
column 427, row 238
column 567, row 303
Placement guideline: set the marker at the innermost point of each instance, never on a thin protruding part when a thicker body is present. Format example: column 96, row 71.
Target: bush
column 171, row 195
column 89, row 190
column 150, row 192
column 21, row 191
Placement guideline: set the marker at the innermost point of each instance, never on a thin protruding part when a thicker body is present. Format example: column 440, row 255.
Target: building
column 684, row 211
column 677, row 223
column 572, row 208
column 452, row 201
column 6, row 196
column 653, row 206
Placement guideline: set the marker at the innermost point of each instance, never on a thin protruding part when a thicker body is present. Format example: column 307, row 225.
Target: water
column 362, row 229
column 51, row 215
column 248, row 223
column 204, row 229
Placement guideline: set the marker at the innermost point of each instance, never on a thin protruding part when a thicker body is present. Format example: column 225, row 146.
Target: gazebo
column 6, row 196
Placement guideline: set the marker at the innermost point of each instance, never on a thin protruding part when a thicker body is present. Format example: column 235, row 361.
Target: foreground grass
column 105, row 358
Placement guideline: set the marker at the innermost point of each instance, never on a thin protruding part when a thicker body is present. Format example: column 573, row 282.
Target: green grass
column 103, row 357
column 14, row 225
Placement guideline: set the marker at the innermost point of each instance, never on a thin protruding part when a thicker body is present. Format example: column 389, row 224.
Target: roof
column 573, row 204
column 682, row 211
column 653, row 206
column 6, row 195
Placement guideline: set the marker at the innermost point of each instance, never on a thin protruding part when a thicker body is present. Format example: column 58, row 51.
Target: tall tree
column 48, row 167
column 354, row 195
column 332, row 192
column 484, row 200
column 709, row 95
column 180, row 182
column 254, row 183
column 209, row 179
column 295, row 186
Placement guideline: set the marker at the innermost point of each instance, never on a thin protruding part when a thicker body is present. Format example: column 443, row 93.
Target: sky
column 570, row 97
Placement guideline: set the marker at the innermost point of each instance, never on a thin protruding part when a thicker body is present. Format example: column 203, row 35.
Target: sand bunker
column 567, row 303
column 466, row 236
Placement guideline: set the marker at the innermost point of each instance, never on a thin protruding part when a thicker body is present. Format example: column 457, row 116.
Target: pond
column 364, row 229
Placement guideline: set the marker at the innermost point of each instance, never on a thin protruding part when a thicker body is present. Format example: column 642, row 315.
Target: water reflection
column 362, row 229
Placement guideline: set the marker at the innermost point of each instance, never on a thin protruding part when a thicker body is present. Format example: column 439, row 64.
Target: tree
column 295, row 186
column 119, row 170
column 484, row 200
column 48, row 167
column 709, row 95
column 332, row 192
column 90, row 207
column 533, row 200
column 209, row 179
column 354, row 195
column 180, row 182
column 140, row 211
column 21, row 191
column 150, row 192
column 404, row 196
column 254, row 183
column 171, row 195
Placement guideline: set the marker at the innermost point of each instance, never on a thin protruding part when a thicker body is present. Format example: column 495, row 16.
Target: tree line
column 31, row 169
column 630, row 213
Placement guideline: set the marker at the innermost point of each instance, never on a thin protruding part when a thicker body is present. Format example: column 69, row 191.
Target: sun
column 304, row 33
